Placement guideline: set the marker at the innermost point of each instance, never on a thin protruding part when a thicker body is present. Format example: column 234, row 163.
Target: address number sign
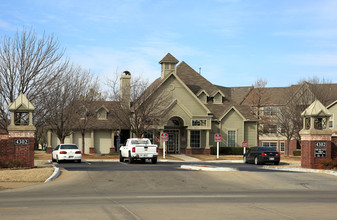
column 21, row 141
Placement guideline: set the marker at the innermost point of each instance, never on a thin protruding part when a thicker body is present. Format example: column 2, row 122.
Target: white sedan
column 66, row 152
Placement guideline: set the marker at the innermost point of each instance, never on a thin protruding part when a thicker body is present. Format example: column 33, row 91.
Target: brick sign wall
column 17, row 151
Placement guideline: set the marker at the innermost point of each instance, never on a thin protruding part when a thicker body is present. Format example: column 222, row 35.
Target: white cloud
column 6, row 25
column 311, row 33
column 319, row 59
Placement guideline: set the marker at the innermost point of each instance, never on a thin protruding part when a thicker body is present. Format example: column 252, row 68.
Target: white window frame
column 199, row 122
column 268, row 143
column 235, row 138
column 331, row 121
column 284, row 146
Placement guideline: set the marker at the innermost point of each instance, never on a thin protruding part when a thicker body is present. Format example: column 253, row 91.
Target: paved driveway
column 165, row 191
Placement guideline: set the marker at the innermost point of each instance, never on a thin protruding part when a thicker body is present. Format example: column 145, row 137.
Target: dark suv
column 261, row 155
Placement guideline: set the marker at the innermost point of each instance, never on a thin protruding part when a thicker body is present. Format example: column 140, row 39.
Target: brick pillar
column 21, row 147
column 334, row 146
column 314, row 150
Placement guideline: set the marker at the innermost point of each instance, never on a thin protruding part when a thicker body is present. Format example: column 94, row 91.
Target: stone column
column 188, row 139
column 71, row 138
column 207, row 139
column 92, row 142
column 112, row 148
column 49, row 138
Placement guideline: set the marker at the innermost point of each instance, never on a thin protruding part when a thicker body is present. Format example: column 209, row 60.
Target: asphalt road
column 164, row 191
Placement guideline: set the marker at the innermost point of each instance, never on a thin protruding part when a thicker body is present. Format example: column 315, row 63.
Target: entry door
column 171, row 145
column 173, row 141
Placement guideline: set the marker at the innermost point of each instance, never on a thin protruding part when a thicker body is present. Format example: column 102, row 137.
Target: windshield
column 140, row 141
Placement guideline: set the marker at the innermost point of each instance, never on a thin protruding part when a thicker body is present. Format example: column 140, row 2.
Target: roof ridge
column 169, row 58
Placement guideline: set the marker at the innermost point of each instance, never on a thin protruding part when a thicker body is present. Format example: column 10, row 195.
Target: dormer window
column 203, row 97
column 218, row 98
column 102, row 113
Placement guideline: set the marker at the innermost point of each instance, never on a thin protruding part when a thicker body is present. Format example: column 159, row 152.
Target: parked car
column 261, row 155
column 65, row 152
column 139, row 149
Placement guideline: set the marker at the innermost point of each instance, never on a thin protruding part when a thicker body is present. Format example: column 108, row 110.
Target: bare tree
column 145, row 107
column 83, row 112
column 257, row 99
column 299, row 98
column 62, row 101
column 28, row 65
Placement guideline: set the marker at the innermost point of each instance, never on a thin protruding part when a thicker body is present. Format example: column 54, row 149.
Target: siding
column 188, row 99
column 77, row 139
column 232, row 121
column 102, row 141
column 250, row 133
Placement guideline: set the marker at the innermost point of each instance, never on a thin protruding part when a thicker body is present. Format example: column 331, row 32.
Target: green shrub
column 227, row 150
column 297, row 153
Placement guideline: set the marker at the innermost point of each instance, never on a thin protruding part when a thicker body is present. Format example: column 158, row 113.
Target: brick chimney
column 125, row 87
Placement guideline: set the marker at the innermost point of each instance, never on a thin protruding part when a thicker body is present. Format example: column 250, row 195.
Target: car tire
column 121, row 158
column 276, row 163
column 79, row 161
column 256, row 161
column 52, row 159
column 245, row 159
column 57, row 160
column 154, row 160
column 131, row 159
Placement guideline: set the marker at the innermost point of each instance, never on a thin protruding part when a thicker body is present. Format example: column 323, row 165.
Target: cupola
column 168, row 65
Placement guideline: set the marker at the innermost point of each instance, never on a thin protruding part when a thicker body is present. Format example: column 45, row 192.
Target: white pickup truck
column 138, row 149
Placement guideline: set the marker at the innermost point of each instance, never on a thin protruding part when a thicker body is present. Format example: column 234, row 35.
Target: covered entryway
column 174, row 128
column 173, row 141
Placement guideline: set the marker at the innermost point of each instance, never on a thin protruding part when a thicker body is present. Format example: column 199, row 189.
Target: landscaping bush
column 297, row 153
column 227, row 150
column 328, row 164
column 11, row 164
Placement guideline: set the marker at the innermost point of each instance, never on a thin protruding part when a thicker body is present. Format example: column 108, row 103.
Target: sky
column 234, row 42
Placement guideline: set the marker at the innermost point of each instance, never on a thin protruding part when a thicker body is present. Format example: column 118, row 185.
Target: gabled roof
column 102, row 107
column 332, row 104
column 21, row 103
column 169, row 59
column 93, row 123
column 194, row 81
column 202, row 91
column 221, row 110
column 220, row 92
column 316, row 109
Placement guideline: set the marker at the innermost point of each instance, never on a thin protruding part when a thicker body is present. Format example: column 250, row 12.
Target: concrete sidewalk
column 185, row 158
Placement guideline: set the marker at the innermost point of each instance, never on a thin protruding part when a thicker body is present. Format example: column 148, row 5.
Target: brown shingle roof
column 94, row 123
column 169, row 59
column 194, row 80
column 219, row 110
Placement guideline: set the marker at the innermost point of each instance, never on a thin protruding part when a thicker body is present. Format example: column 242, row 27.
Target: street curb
column 55, row 174
column 329, row 172
column 207, row 168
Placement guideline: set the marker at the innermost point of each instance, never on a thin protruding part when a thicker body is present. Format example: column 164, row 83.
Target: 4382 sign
column 21, row 141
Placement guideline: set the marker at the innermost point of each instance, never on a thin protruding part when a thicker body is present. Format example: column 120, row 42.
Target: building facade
column 194, row 111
